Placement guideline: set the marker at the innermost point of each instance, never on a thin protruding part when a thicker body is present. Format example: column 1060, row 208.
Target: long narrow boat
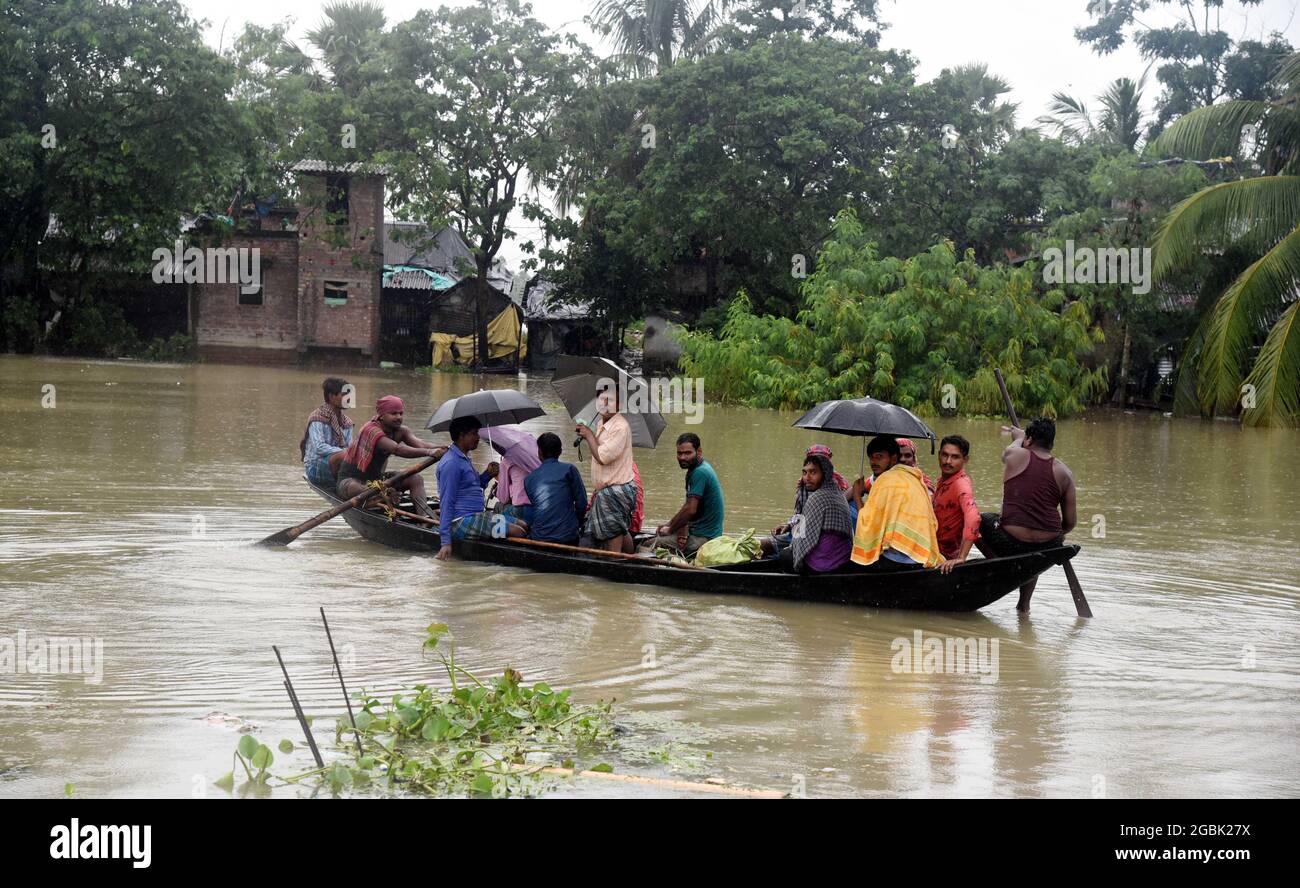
column 968, row 587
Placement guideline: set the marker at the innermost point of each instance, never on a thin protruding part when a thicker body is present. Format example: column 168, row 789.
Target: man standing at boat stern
column 897, row 521
column 557, row 493
column 700, row 517
column 609, row 520
column 460, row 493
column 954, row 504
column 1038, row 503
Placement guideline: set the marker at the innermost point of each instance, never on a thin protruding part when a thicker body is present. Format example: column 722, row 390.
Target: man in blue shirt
column 557, row 493
column 460, row 493
column 700, row 517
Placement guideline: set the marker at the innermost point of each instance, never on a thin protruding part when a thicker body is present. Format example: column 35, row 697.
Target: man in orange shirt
column 954, row 503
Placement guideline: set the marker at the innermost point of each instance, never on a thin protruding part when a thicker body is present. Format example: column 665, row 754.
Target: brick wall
column 358, row 264
column 226, row 330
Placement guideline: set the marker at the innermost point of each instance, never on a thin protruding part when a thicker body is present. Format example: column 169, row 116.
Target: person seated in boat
column 907, row 456
column 516, row 464
column 701, row 517
column 1038, row 500
column 954, row 503
column 897, row 522
column 781, row 536
column 328, row 434
column 557, row 494
column 609, row 519
column 460, row 493
column 384, row 436
column 822, row 533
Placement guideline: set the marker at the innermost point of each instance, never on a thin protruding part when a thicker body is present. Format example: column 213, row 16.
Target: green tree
column 1120, row 121
column 1259, row 215
column 735, row 162
column 904, row 330
column 1198, row 61
column 115, row 121
column 649, row 35
column 480, row 91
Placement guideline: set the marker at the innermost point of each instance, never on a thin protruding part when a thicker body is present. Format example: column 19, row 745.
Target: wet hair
column 333, row 385
column 1043, row 431
column 884, row 444
column 959, row 442
column 689, row 438
column 549, row 446
column 824, row 464
column 463, row 424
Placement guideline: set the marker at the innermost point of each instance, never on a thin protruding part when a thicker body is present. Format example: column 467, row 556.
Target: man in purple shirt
column 460, row 493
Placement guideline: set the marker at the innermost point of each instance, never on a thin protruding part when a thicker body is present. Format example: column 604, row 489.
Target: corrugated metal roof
column 360, row 168
column 538, row 304
column 409, row 277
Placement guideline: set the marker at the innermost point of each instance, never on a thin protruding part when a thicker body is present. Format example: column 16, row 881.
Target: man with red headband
column 384, row 436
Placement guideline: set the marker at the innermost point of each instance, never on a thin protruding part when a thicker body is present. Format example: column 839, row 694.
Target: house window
column 336, row 199
column 336, row 292
column 253, row 296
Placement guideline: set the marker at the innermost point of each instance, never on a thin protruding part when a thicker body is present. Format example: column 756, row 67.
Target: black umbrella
column 493, row 408
column 577, row 381
column 865, row 416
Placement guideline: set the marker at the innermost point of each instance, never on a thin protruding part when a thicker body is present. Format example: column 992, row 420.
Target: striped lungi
column 611, row 511
column 482, row 526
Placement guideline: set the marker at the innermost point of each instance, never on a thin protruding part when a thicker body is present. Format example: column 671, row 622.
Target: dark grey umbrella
column 865, row 416
column 493, row 408
column 577, row 382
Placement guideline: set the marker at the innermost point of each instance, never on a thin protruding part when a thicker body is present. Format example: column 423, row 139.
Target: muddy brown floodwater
column 126, row 509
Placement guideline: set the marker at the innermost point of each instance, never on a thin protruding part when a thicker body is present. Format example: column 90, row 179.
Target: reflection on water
column 126, row 510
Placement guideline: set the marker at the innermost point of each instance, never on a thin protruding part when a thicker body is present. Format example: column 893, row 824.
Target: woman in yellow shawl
column 897, row 521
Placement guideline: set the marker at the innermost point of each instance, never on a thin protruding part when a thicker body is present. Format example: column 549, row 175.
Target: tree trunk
column 1120, row 397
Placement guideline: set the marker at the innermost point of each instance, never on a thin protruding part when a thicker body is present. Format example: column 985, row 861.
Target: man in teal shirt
column 700, row 517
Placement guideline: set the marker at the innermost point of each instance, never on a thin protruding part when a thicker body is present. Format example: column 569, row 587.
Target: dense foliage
column 904, row 330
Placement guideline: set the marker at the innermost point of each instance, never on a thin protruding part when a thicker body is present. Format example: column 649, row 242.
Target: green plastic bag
column 728, row 550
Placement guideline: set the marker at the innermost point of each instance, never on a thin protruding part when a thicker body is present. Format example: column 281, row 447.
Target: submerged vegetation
column 490, row 738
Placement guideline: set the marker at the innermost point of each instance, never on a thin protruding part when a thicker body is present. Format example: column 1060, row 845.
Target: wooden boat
column 968, row 587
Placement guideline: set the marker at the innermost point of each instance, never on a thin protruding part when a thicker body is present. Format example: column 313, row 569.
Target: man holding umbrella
column 612, row 505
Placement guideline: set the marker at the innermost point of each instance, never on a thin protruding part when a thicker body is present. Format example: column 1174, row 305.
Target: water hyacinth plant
column 491, row 738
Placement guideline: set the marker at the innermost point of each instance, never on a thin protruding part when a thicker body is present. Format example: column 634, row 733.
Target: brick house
column 321, row 276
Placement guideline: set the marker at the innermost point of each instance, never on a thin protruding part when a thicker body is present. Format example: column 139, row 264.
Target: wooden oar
column 605, row 552
column 289, row 534
column 1076, row 590
column 544, row 544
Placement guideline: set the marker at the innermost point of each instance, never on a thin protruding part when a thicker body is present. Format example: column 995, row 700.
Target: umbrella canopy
column 577, row 382
column 514, row 443
column 493, row 408
column 865, row 416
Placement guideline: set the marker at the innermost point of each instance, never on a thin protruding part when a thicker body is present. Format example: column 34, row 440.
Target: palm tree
column 1260, row 215
column 649, row 35
column 345, row 36
column 1120, row 121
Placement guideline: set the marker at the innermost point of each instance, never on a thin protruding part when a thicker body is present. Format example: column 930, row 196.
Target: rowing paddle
column 289, row 534
column 545, row 544
column 1076, row 591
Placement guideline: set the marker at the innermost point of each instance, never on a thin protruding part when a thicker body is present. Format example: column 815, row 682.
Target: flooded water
column 127, row 507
